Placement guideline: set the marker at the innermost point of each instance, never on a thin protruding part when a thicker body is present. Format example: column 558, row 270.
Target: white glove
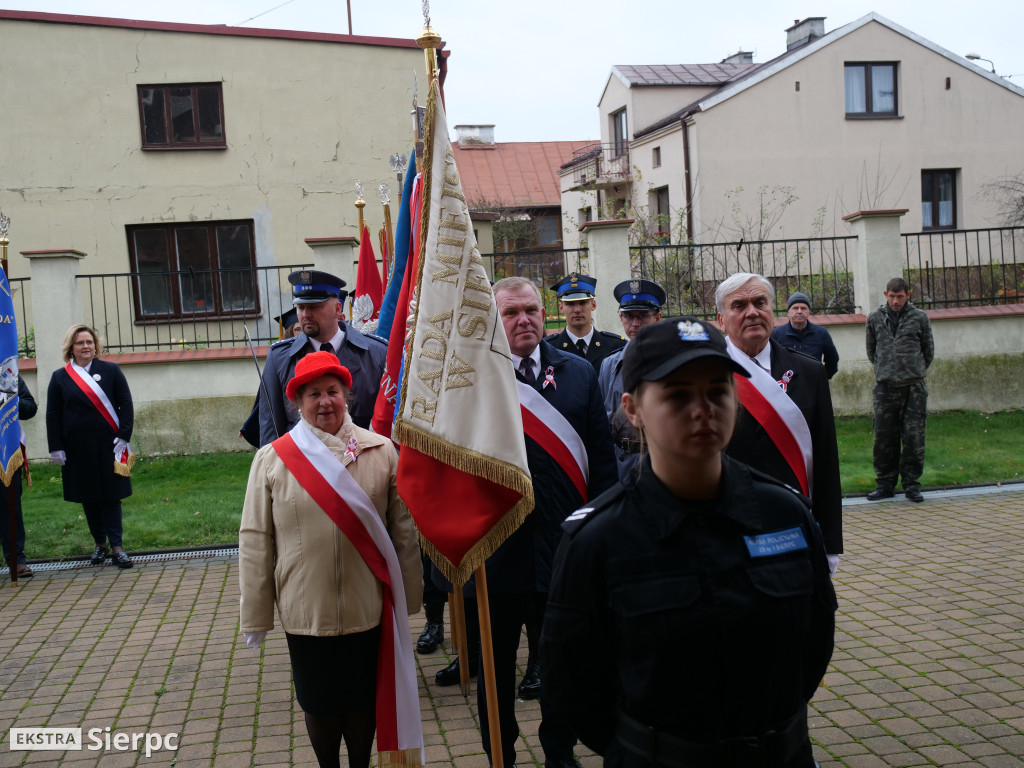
column 58, row 457
column 119, row 447
column 254, row 639
column 833, row 564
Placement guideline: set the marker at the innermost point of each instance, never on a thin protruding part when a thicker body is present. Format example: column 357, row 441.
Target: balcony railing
column 599, row 165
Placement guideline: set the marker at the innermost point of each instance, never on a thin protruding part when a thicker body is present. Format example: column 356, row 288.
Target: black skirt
column 335, row 674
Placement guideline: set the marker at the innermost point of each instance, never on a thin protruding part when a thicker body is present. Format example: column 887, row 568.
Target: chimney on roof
column 475, row 135
column 740, row 57
column 805, row 31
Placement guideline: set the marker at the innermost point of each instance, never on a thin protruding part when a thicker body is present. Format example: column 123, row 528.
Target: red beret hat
column 313, row 366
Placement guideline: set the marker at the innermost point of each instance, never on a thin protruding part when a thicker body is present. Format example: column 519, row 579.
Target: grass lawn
column 188, row 501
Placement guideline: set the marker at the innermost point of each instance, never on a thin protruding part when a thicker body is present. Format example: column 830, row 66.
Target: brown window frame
column 620, row 132
column 174, row 274
column 933, row 181
column 869, row 111
column 198, row 142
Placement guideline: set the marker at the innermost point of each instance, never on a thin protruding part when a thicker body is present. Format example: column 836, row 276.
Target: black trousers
column 509, row 613
column 104, row 518
column 5, row 526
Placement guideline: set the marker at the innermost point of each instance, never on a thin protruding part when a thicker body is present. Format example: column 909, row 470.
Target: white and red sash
column 99, row 399
column 553, row 433
column 328, row 482
column 780, row 417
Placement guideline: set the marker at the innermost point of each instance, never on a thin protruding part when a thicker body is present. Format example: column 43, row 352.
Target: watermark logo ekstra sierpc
column 66, row 739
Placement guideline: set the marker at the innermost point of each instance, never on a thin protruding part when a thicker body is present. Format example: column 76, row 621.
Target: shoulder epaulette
column 575, row 522
column 375, row 337
column 282, row 343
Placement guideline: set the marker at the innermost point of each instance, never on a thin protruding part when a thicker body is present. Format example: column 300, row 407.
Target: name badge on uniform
column 776, row 543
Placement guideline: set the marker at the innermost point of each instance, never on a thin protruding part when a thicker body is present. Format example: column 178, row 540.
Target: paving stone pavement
column 928, row 668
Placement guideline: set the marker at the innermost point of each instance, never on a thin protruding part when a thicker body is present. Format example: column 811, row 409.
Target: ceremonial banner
column 403, row 281
column 11, row 456
column 462, row 467
column 403, row 245
column 778, row 415
column 367, row 280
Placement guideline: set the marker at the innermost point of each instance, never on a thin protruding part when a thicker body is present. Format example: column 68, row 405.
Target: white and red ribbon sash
column 335, row 491
column 553, row 433
column 780, row 417
column 96, row 395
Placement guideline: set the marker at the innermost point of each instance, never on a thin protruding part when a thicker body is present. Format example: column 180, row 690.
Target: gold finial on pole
column 429, row 40
column 5, row 226
column 360, row 204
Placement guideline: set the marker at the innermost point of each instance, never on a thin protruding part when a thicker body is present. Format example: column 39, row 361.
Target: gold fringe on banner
column 399, row 757
column 16, row 460
column 125, row 470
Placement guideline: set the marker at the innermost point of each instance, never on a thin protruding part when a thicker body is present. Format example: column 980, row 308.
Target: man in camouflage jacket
column 900, row 346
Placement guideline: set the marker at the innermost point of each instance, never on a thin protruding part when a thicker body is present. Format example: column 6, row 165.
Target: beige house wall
column 304, row 120
column 772, row 135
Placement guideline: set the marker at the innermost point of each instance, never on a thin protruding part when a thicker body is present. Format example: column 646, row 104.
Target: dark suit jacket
column 752, row 445
column 602, row 344
column 73, row 425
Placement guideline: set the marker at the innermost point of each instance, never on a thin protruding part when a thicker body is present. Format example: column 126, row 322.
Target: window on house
column 185, row 270
column 938, row 199
column 583, row 215
column 871, row 89
column 182, row 116
column 620, row 142
column 661, row 220
column 549, row 230
column 656, row 157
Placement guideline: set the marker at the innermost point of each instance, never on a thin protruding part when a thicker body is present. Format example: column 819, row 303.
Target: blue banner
column 10, row 431
column 403, row 234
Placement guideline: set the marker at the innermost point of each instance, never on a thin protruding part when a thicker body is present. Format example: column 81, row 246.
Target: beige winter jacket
column 291, row 552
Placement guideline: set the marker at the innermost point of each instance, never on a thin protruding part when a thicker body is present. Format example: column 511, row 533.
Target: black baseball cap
column 664, row 346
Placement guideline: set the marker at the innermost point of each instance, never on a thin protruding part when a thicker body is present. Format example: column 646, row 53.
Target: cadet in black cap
column 640, row 303
column 318, row 298
column 287, row 328
column 697, row 574
column 577, row 302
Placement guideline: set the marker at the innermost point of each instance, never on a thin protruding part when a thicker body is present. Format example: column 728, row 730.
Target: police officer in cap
column 577, row 302
column 691, row 613
column 318, row 298
column 640, row 303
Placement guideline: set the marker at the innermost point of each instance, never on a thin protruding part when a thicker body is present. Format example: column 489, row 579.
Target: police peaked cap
column 312, row 286
column 575, row 287
column 639, row 294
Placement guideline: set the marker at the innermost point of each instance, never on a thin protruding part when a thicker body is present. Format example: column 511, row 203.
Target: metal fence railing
column 186, row 309
column 964, row 268
column 21, row 293
column 818, row 267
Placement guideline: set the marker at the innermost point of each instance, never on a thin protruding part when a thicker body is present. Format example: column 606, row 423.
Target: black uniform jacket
column 523, row 562
column 73, row 425
column 751, row 444
column 602, row 344
column 363, row 355
column 660, row 608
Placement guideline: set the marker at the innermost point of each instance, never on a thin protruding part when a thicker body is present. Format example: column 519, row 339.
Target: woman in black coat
column 89, row 420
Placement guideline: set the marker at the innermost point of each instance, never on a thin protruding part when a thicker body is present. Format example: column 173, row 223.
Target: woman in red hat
column 325, row 537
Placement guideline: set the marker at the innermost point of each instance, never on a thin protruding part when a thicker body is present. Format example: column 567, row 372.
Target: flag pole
column 429, row 41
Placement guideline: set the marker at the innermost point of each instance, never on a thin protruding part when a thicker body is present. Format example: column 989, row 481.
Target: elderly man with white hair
column 786, row 427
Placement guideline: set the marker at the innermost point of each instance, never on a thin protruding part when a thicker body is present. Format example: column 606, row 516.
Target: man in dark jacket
column 577, row 302
column 901, row 347
column 317, row 297
column 519, row 572
column 744, row 303
column 16, row 559
column 804, row 336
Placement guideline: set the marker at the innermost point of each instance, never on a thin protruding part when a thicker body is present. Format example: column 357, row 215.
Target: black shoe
column 121, row 560
column 914, row 495
column 450, row 674
column 431, row 637
column 880, row 493
column 530, row 687
column 99, row 554
column 565, row 762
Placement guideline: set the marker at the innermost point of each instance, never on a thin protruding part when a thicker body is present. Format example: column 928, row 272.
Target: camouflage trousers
column 899, row 421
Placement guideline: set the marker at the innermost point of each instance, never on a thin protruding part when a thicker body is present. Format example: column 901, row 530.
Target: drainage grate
column 156, row 557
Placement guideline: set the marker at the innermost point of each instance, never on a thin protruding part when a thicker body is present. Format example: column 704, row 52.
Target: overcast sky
column 536, row 68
